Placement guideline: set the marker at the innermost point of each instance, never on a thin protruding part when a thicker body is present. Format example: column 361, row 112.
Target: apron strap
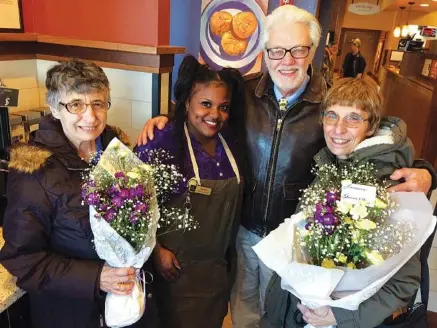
column 194, row 162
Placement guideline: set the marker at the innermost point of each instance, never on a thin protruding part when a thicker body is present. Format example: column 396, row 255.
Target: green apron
column 199, row 297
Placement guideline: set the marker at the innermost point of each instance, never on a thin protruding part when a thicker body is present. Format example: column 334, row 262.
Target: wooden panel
column 15, row 48
column 414, row 107
column 18, row 37
column 145, row 69
column 153, row 50
column 412, row 63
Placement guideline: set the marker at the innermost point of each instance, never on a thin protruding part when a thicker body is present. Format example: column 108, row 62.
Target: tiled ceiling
column 416, row 7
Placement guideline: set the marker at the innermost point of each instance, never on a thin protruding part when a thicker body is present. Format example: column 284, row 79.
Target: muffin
column 244, row 24
column 220, row 23
column 233, row 45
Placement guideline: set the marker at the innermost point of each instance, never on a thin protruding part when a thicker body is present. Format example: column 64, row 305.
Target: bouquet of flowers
column 349, row 239
column 124, row 196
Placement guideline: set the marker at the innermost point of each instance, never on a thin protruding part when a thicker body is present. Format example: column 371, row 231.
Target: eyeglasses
column 298, row 52
column 79, row 107
column 352, row 120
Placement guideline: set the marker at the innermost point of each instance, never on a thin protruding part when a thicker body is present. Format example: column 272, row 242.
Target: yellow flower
column 348, row 220
column 341, row 258
column 133, row 175
column 355, row 236
column 351, row 265
column 359, row 211
column 328, row 263
column 146, row 167
column 344, row 207
column 365, row 224
column 374, row 257
column 380, row 204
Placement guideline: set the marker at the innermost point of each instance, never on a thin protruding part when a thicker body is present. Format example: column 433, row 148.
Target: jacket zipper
column 273, row 159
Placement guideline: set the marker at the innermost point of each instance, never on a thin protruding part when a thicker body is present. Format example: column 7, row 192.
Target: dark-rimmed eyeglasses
column 79, row 107
column 352, row 120
column 297, row 52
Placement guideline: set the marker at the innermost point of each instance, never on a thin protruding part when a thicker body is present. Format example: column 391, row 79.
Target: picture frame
column 11, row 16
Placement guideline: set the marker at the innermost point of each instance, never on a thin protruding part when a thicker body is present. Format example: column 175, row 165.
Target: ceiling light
column 424, row 5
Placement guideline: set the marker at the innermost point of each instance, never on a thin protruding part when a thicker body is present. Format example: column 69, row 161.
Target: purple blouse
column 211, row 168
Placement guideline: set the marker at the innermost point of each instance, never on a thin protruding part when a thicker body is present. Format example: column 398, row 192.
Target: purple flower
column 331, row 197
column 137, row 192
column 113, row 190
column 117, row 201
column 141, row 207
column 103, row 207
column 124, row 193
column 322, row 208
column 134, row 218
column 329, row 219
column 93, row 199
column 110, row 215
column 119, row 175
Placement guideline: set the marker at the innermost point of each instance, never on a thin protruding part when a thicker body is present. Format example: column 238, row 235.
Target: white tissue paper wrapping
column 123, row 310
column 313, row 285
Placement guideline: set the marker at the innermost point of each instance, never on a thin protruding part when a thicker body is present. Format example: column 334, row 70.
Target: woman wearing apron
column 196, row 268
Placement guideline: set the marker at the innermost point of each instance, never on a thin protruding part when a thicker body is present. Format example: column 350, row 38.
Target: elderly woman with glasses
column 48, row 239
column 355, row 132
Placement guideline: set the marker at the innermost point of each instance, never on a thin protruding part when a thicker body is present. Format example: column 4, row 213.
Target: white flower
column 359, row 211
column 344, row 206
column 122, row 153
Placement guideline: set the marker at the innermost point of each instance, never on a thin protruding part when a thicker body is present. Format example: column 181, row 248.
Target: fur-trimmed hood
column 50, row 141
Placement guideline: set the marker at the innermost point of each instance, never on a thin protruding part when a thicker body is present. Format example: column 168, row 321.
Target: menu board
column 10, row 16
column 433, row 70
column 426, row 67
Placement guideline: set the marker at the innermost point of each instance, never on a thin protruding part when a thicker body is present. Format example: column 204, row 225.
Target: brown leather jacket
column 281, row 147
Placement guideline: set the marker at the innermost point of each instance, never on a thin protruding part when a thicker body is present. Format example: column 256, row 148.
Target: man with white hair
column 283, row 134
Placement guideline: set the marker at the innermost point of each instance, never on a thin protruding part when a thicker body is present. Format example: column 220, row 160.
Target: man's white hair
column 292, row 14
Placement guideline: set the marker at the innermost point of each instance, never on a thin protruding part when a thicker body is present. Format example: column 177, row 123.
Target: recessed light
column 424, row 5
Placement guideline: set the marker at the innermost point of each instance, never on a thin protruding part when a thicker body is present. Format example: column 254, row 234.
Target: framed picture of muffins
column 230, row 33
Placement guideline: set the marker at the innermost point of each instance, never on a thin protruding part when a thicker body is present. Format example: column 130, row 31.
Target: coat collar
column 314, row 91
column 50, row 141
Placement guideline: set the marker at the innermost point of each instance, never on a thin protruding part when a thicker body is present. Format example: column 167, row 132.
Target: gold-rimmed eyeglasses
column 351, row 120
column 79, row 107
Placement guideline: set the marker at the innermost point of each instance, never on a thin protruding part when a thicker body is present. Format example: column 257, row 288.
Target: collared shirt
column 211, row 168
column 295, row 96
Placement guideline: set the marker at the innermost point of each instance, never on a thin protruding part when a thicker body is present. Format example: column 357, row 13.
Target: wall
column 184, row 29
column 382, row 21
column 131, row 92
column 144, row 22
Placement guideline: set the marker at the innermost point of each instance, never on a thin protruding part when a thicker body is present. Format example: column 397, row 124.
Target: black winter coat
column 48, row 238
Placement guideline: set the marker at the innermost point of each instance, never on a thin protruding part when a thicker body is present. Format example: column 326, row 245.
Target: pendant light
column 405, row 28
column 397, row 30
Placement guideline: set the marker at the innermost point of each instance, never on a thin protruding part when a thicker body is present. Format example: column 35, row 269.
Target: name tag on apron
column 193, row 186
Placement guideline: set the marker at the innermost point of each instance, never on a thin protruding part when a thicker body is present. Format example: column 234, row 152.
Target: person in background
column 282, row 119
column 197, row 268
column 354, row 63
column 355, row 132
column 48, row 238
column 327, row 70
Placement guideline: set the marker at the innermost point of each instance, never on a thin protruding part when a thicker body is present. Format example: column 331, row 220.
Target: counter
column 9, row 292
column 414, row 99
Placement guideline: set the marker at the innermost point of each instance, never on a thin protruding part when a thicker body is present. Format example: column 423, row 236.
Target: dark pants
column 424, row 253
